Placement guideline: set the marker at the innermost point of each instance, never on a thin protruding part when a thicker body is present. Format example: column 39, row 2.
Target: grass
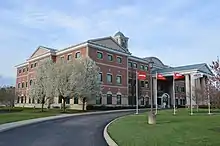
column 18, row 114
column 182, row 129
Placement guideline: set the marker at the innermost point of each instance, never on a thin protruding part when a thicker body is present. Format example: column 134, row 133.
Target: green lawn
column 179, row 130
column 19, row 114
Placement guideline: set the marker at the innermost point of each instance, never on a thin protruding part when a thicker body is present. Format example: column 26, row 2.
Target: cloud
column 178, row 32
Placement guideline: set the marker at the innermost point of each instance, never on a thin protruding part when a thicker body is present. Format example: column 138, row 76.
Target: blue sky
column 179, row 32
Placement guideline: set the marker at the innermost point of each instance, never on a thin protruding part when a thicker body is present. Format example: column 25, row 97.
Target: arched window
column 67, row 100
column 29, row 100
column 77, row 55
column 76, row 99
column 33, row 101
column 99, row 99
column 118, row 99
column 38, row 101
column 18, row 99
column 109, row 98
column 31, row 82
column 22, row 99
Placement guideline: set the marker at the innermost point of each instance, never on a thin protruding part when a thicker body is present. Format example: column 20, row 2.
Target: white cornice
column 40, row 57
column 107, row 49
column 184, row 72
column 71, row 48
column 22, row 65
column 137, row 59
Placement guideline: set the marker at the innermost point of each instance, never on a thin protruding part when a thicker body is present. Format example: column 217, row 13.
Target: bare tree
column 87, row 79
column 7, row 96
column 43, row 85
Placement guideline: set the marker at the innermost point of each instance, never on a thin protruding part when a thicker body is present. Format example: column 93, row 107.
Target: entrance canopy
column 188, row 69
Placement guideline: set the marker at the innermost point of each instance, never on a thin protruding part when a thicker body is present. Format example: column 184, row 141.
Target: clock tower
column 122, row 40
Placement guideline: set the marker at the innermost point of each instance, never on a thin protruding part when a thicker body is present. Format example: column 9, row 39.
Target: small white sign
column 197, row 75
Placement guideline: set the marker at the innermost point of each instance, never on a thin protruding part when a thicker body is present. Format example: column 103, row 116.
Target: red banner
column 141, row 75
column 160, row 77
column 178, row 76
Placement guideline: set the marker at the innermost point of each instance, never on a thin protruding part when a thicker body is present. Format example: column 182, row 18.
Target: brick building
column 118, row 73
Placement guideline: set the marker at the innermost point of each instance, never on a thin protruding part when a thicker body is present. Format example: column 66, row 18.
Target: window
column 119, row 59
column 19, row 85
column 109, row 78
column 142, row 83
column 67, row 100
column 146, row 68
column 35, row 64
column 38, row 101
column 25, row 99
column 22, row 85
column 31, row 82
column 33, row 101
column 29, row 101
column 110, row 57
column 78, row 55
column 129, row 81
column 76, row 100
column 100, row 77
column 27, row 68
column 129, row 64
column 59, row 100
column 99, row 55
column 23, row 69
column 22, row 99
column 26, row 84
column 62, row 58
column 18, row 99
column 69, row 57
column 135, row 65
column 118, row 99
column 99, row 99
column 109, row 98
column 142, row 67
column 19, row 71
column 118, row 79
column 32, row 65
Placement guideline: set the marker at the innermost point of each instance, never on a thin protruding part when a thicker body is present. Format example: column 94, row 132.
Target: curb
column 107, row 137
column 8, row 126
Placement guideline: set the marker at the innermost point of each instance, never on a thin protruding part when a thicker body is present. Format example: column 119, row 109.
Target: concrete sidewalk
column 7, row 126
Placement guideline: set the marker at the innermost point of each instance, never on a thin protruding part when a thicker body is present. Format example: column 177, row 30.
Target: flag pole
column 191, row 108
column 136, row 92
column 174, row 101
column 156, row 94
column 209, row 106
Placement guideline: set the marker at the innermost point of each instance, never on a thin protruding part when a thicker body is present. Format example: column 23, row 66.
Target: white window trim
column 117, row 59
column 136, row 64
column 102, row 76
column 79, row 53
column 107, row 78
column 116, row 79
column 110, row 55
column 142, row 65
column 102, row 55
column 70, row 54
column 131, row 64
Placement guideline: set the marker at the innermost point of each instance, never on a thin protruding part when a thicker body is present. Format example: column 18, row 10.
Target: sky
column 178, row 32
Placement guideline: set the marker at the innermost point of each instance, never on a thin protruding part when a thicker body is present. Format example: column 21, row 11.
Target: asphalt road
column 84, row 130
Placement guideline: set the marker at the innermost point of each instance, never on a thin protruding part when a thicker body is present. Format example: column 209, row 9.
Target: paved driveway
column 84, row 130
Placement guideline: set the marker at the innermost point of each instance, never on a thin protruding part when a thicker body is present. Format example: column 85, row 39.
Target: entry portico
column 164, row 88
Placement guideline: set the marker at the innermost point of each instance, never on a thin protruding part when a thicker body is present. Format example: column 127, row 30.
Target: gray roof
column 202, row 67
column 119, row 34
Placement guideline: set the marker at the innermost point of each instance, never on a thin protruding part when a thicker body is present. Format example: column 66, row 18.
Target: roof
column 202, row 67
column 119, row 34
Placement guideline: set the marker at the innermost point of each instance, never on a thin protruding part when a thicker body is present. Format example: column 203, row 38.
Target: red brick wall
column 81, row 50
column 112, row 67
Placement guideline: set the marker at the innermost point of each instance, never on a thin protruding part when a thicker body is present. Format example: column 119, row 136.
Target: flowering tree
column 43, row 87
column 87, row 79
column 65, row 80
column 214, row 84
